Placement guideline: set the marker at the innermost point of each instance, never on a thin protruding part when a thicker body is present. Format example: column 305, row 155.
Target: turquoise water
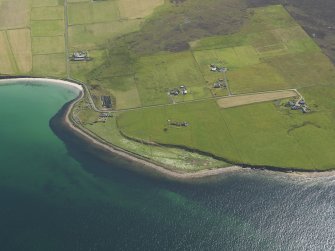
column 57, row 192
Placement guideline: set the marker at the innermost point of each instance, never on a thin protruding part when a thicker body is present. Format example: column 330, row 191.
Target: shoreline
column 137, row 159
column 4, row 81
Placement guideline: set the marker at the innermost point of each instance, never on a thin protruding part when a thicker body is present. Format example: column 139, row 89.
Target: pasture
column 133, row 9
column 92, row 12
column 45, row 3
column 20, row 43
column 47, row 28
column 47, row 13
column 6, row 63
column 248, row 99
column 49, row 65
column 48, row 45
column 271, row 52
column 157, row 74
column 14, row 14
column 258, row 134
column 95, row 35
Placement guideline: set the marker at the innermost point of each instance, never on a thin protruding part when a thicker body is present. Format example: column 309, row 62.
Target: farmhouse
column 178, row 124
column 220, row 84
column 298, row 105
column 215, row 68
column 80, row 56
column 176, row 91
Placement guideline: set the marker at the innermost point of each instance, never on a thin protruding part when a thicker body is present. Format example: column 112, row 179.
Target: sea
column 59, row 192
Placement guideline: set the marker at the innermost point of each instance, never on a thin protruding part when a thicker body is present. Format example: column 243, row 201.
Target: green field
column 142, row 49
column 92, row 12
column 50, row 65
column 271, row 52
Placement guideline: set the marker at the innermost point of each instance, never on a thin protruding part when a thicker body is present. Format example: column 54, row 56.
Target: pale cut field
column 20, row 42
column 48, row 45
column 5, row 62
column 138, row 9
column 42, row 3
column 77, row 1
column 255, row 98
column 47, row 13
column 50, row 65
column 14, row 14
column 91, row 36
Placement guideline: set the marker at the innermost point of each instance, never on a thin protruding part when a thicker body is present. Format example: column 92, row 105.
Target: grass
column 255, row 78
column 173, row 158
column 20, row 43
column 93, row 36
column 14, row 14
column 304, row 69
column 6, row 66
column 125, row 89
column 79, row 70
column 92, row 12
column 271, row 52
column 47, row 28
column 137, row 9
column 156, row 74
column 207, row 130
column 43, row 3
column 265, row 138
column 48, row 45
column 47, row 13
column 50, row 65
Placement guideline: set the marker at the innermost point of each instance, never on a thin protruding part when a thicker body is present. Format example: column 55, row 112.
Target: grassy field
column 20, row 43
column 259, row 134
column 271, row 52
column 92, row 12
column 48, row 45
column 95, row 35
column 6, row 63
column 265, row 55
column 155, row 75
column 47, row 13
column 137, row 9
column 50, row 65
column 14, row 14
column 172, row 158
column 44, row 3
column 47, row 26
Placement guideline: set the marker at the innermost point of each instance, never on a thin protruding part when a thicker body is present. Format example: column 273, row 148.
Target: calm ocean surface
column 59, row 193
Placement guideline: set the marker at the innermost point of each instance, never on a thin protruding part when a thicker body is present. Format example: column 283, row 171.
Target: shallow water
column 65, row 195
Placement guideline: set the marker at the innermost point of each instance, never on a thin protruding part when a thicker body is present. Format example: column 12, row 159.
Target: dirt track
column 255, row 98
